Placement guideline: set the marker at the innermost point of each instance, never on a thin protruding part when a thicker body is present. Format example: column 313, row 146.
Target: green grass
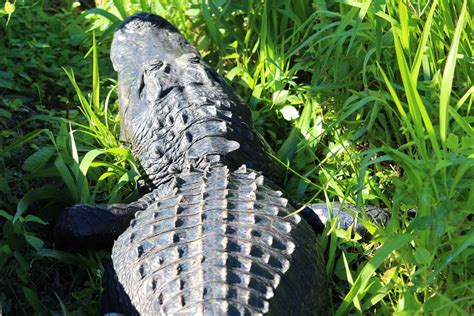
column 366, row 102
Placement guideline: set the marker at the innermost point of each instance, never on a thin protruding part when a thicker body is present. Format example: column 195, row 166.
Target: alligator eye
column 194, row 59
column 142, row 86
column 156, row 65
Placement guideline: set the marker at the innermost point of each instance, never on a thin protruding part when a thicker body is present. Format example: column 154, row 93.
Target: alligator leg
column 87, row 226
column 92, row 226
column 346, row 215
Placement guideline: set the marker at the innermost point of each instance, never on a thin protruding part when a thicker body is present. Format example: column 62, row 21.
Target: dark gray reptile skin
column 219, row 244
column 215, row 241
column 212, row 237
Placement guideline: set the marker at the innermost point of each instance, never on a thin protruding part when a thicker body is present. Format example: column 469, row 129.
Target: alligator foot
column 347, row 215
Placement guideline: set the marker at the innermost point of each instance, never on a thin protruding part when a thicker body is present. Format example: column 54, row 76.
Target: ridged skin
column 215, row 240
column 219, row 244
column 177, row 113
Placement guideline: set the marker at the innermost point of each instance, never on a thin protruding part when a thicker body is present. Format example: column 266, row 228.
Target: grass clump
column 49, row 159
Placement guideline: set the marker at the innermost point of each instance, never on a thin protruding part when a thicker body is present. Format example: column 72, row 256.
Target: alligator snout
column 145, row 38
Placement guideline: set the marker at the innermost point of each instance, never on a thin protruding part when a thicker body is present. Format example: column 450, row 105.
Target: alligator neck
column 196, row 126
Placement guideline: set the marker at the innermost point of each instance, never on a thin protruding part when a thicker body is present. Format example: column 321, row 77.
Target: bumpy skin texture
column 216, row 239
column 213, row 237
column 96, row 226
column 177, row 113
column 219, row 244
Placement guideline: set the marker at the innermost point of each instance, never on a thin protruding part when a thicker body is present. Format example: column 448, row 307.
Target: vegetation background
column 365, row 102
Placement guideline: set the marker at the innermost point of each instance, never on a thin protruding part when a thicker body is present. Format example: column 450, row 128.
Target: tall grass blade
column 416, row 104
column 119, row 4
column 448, row 75
column 95, row 76
column 111, row 17
column 424, row 40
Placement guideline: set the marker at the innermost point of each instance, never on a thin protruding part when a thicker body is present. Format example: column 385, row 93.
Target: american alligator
column 213, row 235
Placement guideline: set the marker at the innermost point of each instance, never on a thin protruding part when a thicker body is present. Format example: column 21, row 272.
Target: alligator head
column 177, row 113
column 150, row 57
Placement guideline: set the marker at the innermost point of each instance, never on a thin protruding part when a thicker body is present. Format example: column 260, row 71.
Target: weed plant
column 364, row 102
column 49, row 159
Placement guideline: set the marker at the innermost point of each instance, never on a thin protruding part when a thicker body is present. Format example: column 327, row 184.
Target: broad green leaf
column 32, row 298
column 88, row 159
column 68, row 178
column 34, row 219
column 34, row 241
column 58, row 255
column 45, row 192
column 422, row 256
column 452, row 142
column 9, row 7
column 289, row 112
column 279, row 97
column 38, row 159
column 6, row 215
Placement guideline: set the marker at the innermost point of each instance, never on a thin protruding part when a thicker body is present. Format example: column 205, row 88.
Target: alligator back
column 219, row 243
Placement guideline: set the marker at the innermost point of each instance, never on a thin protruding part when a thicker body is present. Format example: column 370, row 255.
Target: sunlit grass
column 365, row 102
column 369, row 102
